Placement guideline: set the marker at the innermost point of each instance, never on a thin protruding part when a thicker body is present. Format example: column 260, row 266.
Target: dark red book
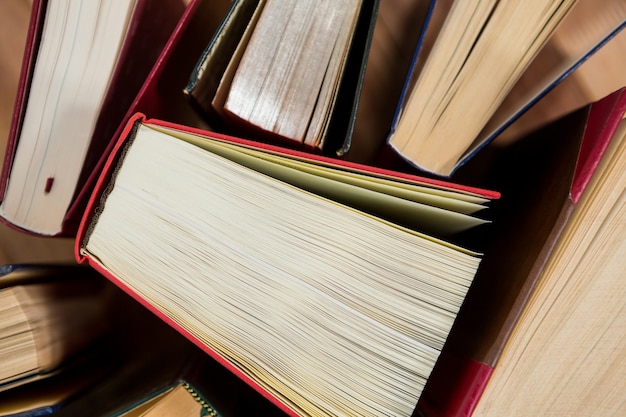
column 541, row 178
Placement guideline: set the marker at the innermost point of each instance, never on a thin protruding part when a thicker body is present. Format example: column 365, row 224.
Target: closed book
column 276, row 235
column 75, row 86
column 542, row 178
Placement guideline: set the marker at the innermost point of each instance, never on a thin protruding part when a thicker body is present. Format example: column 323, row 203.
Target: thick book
column 246, row 50
column 82, row 67
column 571, row 331
column 444, row 118
column 55, row 323
column 543, row 179
column 286, row 258
column 49, row 315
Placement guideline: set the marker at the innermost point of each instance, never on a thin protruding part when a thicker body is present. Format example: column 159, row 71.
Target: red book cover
column 146, row 35
column 541, row 179
column 108, row 171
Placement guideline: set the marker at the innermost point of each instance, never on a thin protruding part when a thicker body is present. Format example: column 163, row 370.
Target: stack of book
column 361, row 208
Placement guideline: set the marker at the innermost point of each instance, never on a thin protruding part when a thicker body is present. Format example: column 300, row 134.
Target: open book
column 301, row 274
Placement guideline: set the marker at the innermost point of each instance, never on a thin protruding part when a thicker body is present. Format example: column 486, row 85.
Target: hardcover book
column 287, row 249
column 239, row 81
column 542, row 179
column 75, row 86
column 461, row 91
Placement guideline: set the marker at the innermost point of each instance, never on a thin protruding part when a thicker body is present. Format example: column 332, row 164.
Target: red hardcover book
column 141, row 41
column 541, row 178
column 101, row 201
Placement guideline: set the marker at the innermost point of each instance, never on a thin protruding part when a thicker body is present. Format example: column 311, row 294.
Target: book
column 594, row 78
column 54, row 328
column 49, row 314
column 82, row 66
column 17, row 246
column 181, row 399
column 98, row 351
column 451, row 104
column 282, row 285
column 547, row 181
column 576, row 304
column 286, row 71
column 160, row 90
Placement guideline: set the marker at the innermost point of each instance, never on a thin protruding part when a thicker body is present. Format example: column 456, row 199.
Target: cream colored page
column 303, row 297
column 414, row 214
column 566, row 354
column 462, row 201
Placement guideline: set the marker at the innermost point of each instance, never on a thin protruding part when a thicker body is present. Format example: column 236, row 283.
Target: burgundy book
column 541, row 178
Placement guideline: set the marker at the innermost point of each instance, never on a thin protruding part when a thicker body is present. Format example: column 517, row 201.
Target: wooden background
column 17, row 247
